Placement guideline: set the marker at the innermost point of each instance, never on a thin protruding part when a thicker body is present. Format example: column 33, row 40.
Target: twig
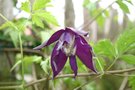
column 88, row 82
column 25, row 51
column 91, row 21
column 10, row 87
column 34, row 75
column 124, row 82
column 81, row 75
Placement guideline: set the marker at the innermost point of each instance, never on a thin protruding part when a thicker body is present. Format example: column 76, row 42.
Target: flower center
column 70, row 48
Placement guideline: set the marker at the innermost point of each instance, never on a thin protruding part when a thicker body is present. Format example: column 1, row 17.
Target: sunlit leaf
column 39, row 4
column 26, row 6
column 37, row 20
column 123, row 6
column 47, row 16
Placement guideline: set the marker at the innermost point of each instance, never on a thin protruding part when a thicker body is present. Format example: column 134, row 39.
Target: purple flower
column 69, row 44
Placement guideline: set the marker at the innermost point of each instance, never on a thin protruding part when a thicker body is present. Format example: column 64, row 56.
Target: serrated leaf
column 130, row 59
column 123, row 6
column 47, row 16
column 125, row 41
column 39, row 4
column 104, row 47
column 37, row 20
column 26, row 6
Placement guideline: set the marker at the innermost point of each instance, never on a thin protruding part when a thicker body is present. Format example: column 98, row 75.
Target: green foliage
column 125, row 41
column 123, row 6
column 26, row 6
column 100, row 64
column 27, row 60
column 45, row 65
column 132, row 82
column 104, row 48
column 39, row 4
column 128, row 58
column 37, row 21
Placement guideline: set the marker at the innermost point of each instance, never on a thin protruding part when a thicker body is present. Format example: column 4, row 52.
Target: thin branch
column 124, row 82
column 10, row 87
column 38, row 52
column 91, row 21
column 81, row 75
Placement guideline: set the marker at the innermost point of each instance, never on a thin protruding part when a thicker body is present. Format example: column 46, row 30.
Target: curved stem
column 21, row 51
column 112, row 63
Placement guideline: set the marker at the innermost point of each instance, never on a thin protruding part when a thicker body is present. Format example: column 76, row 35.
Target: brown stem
column 81, row 75
column 38, row 52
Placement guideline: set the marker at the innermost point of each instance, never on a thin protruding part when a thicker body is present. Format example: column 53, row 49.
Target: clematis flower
column 69, row 44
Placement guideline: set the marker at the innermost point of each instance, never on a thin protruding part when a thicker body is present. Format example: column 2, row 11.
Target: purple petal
column 52, row 39
column 83, row 51
column 58, row 60
column 77, row 32
column 73, row 64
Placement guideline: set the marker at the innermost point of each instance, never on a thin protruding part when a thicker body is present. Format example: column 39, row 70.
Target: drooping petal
column 83, row 51
column 73, row 64
column 52, row 39
column 58, row 60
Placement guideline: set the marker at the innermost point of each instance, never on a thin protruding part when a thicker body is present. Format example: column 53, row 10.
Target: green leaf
column 125, row 41
column 39, row 4
column 7, row 24
column 27, row 60
column 102, row 63
column 47, row 16
column 37, row 20
column 30, row 59
column 123, row 6
column 45, row 35
column 130, row 59
column 21, row 24
column 14, row 36
column 26, row 6
column 100, row 20
column 105, row 47
column 45, row 65
column 132, row 82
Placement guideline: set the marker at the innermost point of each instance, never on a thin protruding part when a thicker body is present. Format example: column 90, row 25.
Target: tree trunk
column 69, row 13
column 6, row 9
